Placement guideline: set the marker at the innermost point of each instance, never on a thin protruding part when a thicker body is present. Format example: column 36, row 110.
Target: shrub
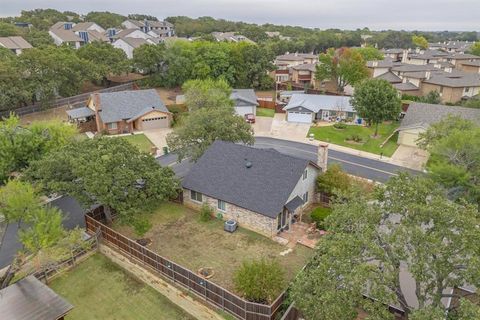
column 206, row 213
column 259, row 280
column 318, row 216
column 333, row 178
column 340, row 125
column 141, row 226
column 355, row 137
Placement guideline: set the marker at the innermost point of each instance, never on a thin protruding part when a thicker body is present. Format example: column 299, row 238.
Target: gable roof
column 66, row 35
column 422, row 115
column 30, row 299
column 390, row 77
column 128, row 105
column 265, row 187
column 127, row 32
column 134, row 42
column 455, row 80
column 247, row 95
column 83, row 26
column 14, row 43
column 306, row 67
column 317, row 102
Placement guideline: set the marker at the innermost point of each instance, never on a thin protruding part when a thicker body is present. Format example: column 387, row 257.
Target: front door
column 325, row 115
column 282, row 220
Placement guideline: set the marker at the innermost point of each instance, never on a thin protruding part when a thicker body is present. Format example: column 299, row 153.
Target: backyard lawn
column 99, row 289
column 368, row 144
column 140, row 141
column 178, row 234
column 265, row 112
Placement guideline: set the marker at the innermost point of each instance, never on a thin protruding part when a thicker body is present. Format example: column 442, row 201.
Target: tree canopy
column 343, row 66
column 207, row 94
column 105, row 19
column 108, row 171
column 376, row 100
column 370, row 53
column 148, row 58
column 420, row 42
column 411, row 233
column 475, row 49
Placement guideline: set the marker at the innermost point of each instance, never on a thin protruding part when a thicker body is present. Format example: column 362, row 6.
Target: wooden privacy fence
column 72, row 101
column 205, row 289
column 266, row 104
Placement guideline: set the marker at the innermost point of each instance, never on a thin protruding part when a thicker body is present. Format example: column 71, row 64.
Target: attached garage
column 243, row 110
column 409, row 137
column 153, row 120
column 301, row 117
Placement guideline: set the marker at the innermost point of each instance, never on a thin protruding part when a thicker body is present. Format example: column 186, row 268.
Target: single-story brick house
column 124, row 111
column 305, row 108
column 420, row 116
column 262, row 189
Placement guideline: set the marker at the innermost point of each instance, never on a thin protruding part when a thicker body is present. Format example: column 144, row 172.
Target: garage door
column 241, row 111
column 155, row 123
column 302, row 117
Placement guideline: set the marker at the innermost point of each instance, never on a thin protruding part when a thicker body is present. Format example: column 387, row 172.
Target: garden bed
column 178, row 235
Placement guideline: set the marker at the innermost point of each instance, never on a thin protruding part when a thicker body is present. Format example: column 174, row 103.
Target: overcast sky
column 344, row 14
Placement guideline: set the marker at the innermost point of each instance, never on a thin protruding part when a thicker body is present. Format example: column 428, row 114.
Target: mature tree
column 105, row 19
column 370, row 53
column 376, row 100
column 412, row 231
column 105, row 59
column 43, row 19
column 142, row 17
column 207, row 94
column 54, row 71
column 38, row 38
column 395, row 39
column 8, row 30
column 420, row 42
column 108, row 171
column 333, row 179
column 148, row 58
column 343, row 66
column 455, row 147
column 203, row 126
column 20, row 145
column 475, row 49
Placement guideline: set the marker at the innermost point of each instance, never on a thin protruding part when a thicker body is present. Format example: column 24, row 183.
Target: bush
column 333, row 178
column 206, row 213
column 340, row 125
column 259, row 280
column 318, row 216
column 355, row 137
column 141, row 226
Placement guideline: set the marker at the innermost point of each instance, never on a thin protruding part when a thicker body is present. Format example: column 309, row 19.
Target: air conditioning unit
column 230, row 225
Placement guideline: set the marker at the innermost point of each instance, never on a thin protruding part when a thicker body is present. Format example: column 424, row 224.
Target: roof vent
column 248, row 164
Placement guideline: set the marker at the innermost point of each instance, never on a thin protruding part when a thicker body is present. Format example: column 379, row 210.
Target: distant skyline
column 438, row 15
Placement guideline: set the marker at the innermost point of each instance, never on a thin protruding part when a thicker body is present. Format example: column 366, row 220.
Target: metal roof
column 81, row 112
column 317, row 102
column 30, row 299
column 222, row 173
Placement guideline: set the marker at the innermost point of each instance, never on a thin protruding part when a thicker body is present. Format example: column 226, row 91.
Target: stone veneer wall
column 244, row 217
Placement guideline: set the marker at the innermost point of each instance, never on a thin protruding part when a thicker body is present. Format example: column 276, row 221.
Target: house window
column 467, row 89
column 221, row 205
column 196, row 196
column 112, row 126
column 305, row 197
column 305, row 174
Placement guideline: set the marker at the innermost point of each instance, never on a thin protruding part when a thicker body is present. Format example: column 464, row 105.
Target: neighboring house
column 132, row 33
column 30, row 299
column 304, row 74
column 124, row 111
column 286, row 62
column 15, row 44
column 230, row 37
column 420, row 116
column 453, row 87
column 128, row 44
column 452, row 46
column 425, row 57
column 78, row 34
column 306, row 108
column 276, row 34
column 262, row 189
column 154, row 28
column 469, row 66
column 245, row 101
column 394, row 54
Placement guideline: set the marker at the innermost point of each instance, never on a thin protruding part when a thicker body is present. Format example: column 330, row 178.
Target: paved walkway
column 158, row 138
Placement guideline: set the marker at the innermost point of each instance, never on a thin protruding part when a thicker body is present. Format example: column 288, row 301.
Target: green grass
column 140, row 141
column 264, row 112
column 368, row 144
column 99, row 289
column 178, row 234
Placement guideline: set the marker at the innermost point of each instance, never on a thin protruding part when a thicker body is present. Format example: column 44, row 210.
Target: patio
column 301, row 233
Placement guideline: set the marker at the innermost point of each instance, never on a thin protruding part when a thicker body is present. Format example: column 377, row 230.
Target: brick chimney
column 322, row 156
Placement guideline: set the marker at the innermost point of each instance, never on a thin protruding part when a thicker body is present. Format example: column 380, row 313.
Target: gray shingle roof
column 390, row 77
column 265, row 187
column 405, row 86
column 247, row 95
column 455, row 80
column 294, row 204
column 14, row 43
column 81, row 112
column 127, row 105
column 317, row 102
column 306, row 67
column 425, row 114
column 30, row 299
column 134, row 42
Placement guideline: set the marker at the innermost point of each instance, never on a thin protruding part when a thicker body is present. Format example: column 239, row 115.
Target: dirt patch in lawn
column 177, row 234
column 169, row 95
column 47, row 115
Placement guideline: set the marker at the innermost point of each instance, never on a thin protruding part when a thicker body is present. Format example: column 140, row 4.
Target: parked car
column 250, row 118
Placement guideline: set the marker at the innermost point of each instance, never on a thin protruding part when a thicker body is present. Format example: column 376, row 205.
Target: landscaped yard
column 177, row 234
column 368, row 144
column 140, row 141
column 265, row 112
column 99, row 289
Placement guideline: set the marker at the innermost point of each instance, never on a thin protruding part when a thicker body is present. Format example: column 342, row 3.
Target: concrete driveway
column 157, row 136
column 262, row 125
column 294, row 131
column 411, row 157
